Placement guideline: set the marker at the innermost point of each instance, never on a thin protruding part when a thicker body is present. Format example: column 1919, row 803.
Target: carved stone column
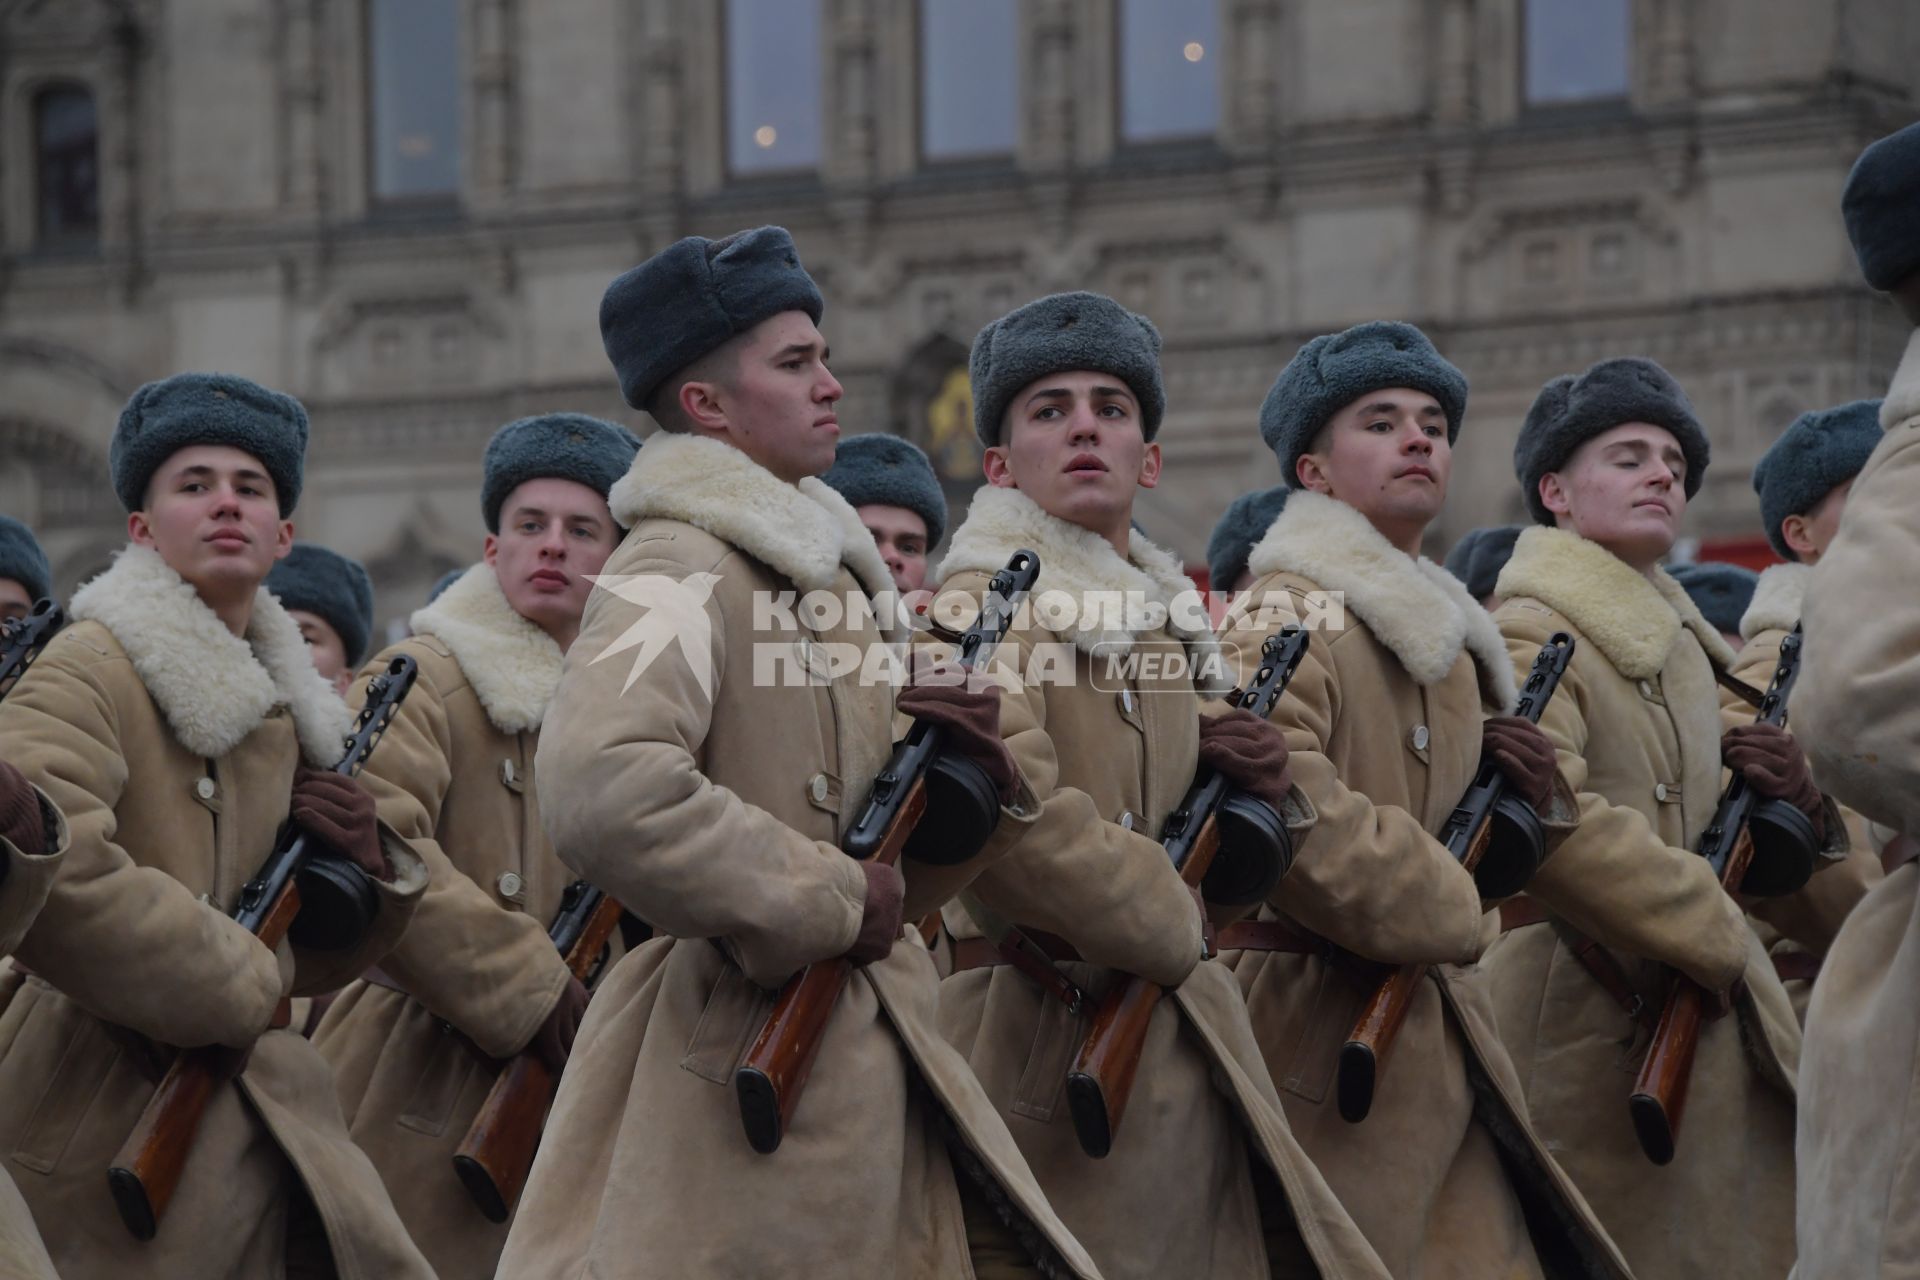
column 492, row 147
column 303, row 182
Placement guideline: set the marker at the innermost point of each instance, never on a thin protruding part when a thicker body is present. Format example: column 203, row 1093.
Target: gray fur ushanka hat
column 164, row 417
column 1814, row 456
column 568, row 446
column 884, row 469
column 1480, row 555
column 23, row 560
column 1064, row 333
column 692, row 296
column 319, row 580
column 1573, row 409
column 1881, row 207
column 1720, row 591
column 1335, row 369
column 1241, row 525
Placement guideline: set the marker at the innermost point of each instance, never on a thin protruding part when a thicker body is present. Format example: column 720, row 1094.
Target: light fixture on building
column 765, row 136
column 1194, row 51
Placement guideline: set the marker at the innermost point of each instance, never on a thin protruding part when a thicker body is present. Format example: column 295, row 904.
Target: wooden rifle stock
column 497, row 1154
column 769, row 1080
column 146, row 1171
column 1101, row 1078
column 1468, row 832
column 1659, row 1097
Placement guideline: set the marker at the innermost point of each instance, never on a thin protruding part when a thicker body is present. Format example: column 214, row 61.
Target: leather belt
column 381, row 978
column 1268, row 935
column 981, row 953
column 1520, row 911
column 1796, row 966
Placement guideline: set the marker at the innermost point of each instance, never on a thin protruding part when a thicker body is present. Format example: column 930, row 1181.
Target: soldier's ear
column 1312, row 474
column 997, row 468
column 1553, row 494
column 1794, row 532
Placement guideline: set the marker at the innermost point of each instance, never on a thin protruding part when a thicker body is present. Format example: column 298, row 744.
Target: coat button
column 204, row 788
column 1420, row 737
column 1660, row 791
column 1646, row 689
column 1126, row 701
column 1128, row 821
column 506, row 772
column 817, row 788
column 511, row 886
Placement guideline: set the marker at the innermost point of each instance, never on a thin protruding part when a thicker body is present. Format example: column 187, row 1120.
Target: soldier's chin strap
column 1736, row 686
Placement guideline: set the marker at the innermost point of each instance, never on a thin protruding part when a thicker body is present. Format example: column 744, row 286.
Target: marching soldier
column 1608, row 460
column 1855, row 708
column 1387, row 722
column 1803, row 481
column 891, row 486
column 1233, row 536
column 455, row 776
column 330, row 598
column 25, row 575
column 178, row 723
column 716, row 728
column 1102, row 710
column 1478, row 558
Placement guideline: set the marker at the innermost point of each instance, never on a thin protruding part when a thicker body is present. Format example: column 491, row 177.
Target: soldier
column 1721, row 592
column 330, row 597
column 891, row 485
column 713, row 734
column 456, row 777
column 25, row 575
column 1803, row 480
column 1239, row 527
column 178, row 723
column 1101, row 707
column 1478, row 558
column 1387, row 723
column 1608, row 460
column 33, row 838
column 1855, row 708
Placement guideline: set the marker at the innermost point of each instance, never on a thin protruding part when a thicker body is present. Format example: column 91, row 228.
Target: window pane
column 416, row 97
column 66, row 164
column 969, row 69
column 773, row 85
column 1576, row 49
column 1169, row 68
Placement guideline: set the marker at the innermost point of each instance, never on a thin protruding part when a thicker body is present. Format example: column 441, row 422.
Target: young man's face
column 1624, row 489
column 901, row 536
column 15, row 600
column 324, row 646
column 553, row 534
column 212, row 514
column 1812, row 533
column 1386, row 455
column 1075, row 444
column 776, row 401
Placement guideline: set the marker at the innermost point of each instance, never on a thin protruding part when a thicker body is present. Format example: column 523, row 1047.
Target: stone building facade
column 404, row 211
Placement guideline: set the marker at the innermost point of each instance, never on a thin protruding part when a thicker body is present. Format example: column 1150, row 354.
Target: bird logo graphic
column 675, row 613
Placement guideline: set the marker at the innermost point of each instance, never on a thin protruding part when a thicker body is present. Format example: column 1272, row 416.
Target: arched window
column 66, row 165
column 969, row 78
column 1169, row 69
column 414, row 98
column 1576, row 50
column 773, row 85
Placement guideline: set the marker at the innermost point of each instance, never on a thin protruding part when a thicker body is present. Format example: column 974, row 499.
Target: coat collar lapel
column 512, row 664
column 1632, row 618
column 1084, row 566
column 1418, row 610
column 804, row 532
column 213, row 687
column 1776, row 599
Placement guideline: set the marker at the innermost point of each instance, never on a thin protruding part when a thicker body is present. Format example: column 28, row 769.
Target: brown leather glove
column 1524, row 755
column 22, row 820
column 554, row 1040
column 880, row 918
column 970, row 719
column 337, row 811
column 1249, row 752
column 1774, row 766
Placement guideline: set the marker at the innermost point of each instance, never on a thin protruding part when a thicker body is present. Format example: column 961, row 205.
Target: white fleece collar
column 512, row 664
column 1632, row 618
column 1085, row 566
column 1776, row 599
column 213, row 687
column 804, row 532
column 1414, row 607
